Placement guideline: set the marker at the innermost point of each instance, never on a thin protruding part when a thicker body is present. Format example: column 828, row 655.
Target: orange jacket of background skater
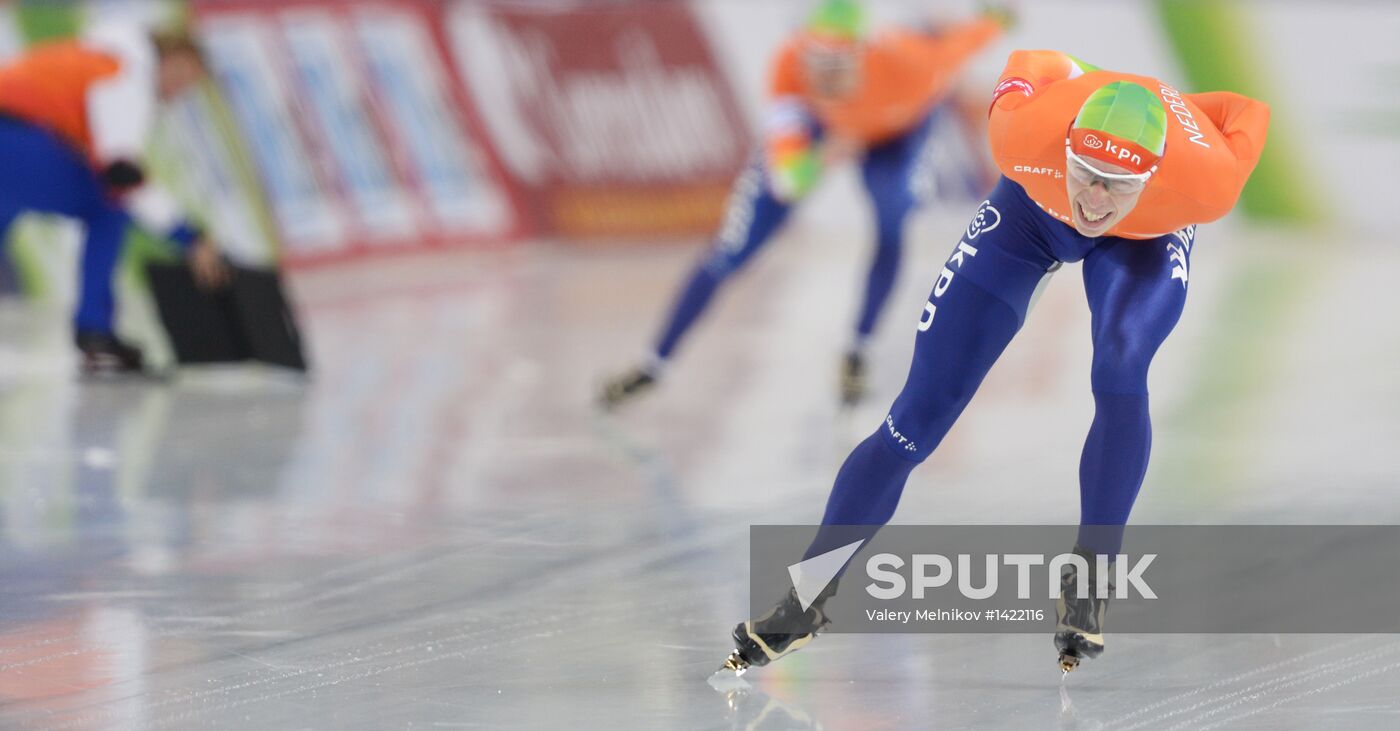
column 49, row 88
column 1213, row 142
column 903, row 74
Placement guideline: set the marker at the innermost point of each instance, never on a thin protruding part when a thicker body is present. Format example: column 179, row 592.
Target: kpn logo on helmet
column 1115, row 151
column 1122, row 153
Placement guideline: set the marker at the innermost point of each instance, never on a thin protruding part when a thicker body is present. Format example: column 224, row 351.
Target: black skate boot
column 105, row 355
column 853, row 383
column 1079, row 628
column 626, row 387
column 785, row 629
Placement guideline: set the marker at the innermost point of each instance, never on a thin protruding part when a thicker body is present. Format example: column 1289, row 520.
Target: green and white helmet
column 1122, row 123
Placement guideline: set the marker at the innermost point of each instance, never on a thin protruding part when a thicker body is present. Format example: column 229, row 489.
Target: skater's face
column 1097, row 202
column 832, row 69
column 177, row 73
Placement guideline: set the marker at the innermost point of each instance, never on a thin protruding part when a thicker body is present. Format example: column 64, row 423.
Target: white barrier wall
column 1327, row 71
column 1334, row 77
column 9, row 34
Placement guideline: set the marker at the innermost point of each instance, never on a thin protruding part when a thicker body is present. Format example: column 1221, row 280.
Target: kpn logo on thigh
column 986, row 219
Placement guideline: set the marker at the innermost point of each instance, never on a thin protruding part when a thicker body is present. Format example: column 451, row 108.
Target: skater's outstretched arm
column 942, row 53
column 1244, row 123
column 939, row 58
column 1028, row 73
column 791, row 156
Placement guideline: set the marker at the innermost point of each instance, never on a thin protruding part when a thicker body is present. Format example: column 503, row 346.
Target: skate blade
column 852, row 395
column 1068, row 663
column 729, row 676
column 735, row 664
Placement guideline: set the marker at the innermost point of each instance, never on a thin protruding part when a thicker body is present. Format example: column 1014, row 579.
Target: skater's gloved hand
column 123, row 175
column 794, row 175
column 210, row 270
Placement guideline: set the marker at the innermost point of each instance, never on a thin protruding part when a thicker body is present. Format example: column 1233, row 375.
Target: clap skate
column 1079, row 620
column 783, row 630
column 853, row 378
column 626, row 387
column 104, row 355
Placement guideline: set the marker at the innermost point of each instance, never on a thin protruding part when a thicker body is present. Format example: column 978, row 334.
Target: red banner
column 614, row 118
column 358, row 126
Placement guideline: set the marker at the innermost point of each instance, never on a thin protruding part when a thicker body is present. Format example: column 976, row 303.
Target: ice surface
column 439, row 532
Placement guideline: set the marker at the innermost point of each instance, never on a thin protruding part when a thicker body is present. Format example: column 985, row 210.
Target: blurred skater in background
column 74, row 121
column 836, row 92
